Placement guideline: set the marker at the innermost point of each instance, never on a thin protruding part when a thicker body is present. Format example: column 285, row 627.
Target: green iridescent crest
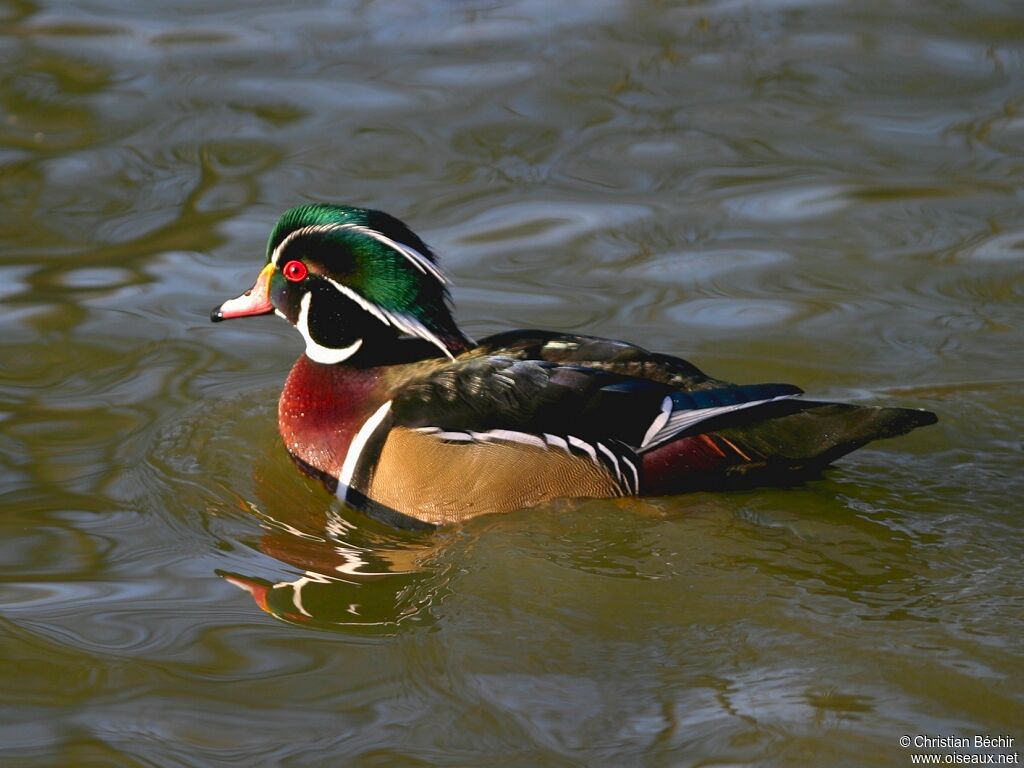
column 371, row 259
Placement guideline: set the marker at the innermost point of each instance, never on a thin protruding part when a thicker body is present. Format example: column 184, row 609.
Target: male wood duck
column 401, row 414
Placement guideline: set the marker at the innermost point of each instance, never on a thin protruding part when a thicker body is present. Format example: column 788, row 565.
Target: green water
column 827, row 193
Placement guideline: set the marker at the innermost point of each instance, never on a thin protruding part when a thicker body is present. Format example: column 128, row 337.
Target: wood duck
column 402, row 415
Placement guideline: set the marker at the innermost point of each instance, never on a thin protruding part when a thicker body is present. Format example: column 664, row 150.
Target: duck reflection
column 348, row 570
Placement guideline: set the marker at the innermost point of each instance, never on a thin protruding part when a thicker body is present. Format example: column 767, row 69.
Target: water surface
column 826, row 193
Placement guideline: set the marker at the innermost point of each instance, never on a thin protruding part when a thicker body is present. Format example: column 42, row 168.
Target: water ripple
column 793, row 191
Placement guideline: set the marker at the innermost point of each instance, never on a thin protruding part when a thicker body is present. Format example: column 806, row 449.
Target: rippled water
column 827, row 193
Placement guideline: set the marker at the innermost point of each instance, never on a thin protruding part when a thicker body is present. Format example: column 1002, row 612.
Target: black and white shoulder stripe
column 618, row 459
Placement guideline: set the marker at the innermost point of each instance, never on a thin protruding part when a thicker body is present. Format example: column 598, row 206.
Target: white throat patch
column 317, row 352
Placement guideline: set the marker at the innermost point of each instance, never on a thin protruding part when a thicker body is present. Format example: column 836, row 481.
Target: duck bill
column 258, row 589
column 255, row 301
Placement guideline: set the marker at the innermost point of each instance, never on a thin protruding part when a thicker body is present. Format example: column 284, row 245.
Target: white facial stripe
column 355, row 448
column 369, row 306
column 417, row 259
column 414, row 327
column 299, row 233
column 316, row 352
column 420, row 261
column 404, row 323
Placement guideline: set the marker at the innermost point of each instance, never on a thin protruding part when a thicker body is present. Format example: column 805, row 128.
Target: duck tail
column 776, row 443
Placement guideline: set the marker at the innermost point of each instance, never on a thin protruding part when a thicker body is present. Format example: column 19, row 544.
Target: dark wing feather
column 533, row 396
column 537, row 380
column 560, row 398
column 594, row 352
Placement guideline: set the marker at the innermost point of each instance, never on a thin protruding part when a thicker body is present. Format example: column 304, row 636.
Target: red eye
column 295, row 271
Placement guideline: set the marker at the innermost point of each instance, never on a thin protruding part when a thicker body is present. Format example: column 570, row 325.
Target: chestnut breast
column 321, row 409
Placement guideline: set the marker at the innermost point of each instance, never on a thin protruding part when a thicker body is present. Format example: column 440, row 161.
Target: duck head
column 350, row 280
